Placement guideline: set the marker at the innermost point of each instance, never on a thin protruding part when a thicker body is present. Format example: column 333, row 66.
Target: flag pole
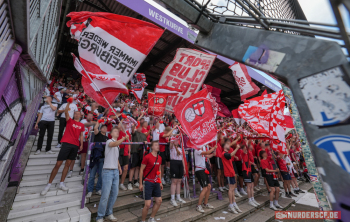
column 99, row 91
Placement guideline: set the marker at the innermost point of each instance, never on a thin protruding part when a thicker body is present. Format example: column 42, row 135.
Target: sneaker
column 58, row 146
column 200, row 209
column 208, row 206
column 136, row 184
column 243, row 192
column 151, row 220
column 225, row 188
column 163, row 182
column 256, row 188
column 292, row 194
column 63, row 187
column 122, row 187
column 100, row 220
column 69, row 174
column 278, row 206
column 288, row 196
column 237, row 194
column 296, row 191
column 37, row 152
column 111, row 217
column 251, row 203
column 232, row 209
column 88, row 195
column 44, row 192
column 256, row 203
column 81, row 172
column 221, row 189
column 99, row 192
column 301, row 191
column 237, row 209
column 130, row 186
column 173, row 202
column 181, row 200
column 50, row 152
column 273, row 207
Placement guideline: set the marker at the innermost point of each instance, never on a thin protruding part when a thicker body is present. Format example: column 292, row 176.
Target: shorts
column 234, row 167
column 286, row 176
column 248, row 177
column 254, row 170
column 263, row 172
column 202, row 177
column 295, row 175
column 68, row 152
column 219, row 163
column 176, row 169
column 271, row 181
column 162, row 154
column 231, row 180
column 151, row 190
column 85, row 148
column 135, row 160
column 123, row 160
column 212, row 160
column 239, row 168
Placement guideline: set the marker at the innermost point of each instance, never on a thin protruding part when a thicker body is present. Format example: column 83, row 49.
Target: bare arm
column 209, row 151
column 235, row 151
column 235, row 141
column 143, row 166
column 54, row 108
column 66, row 112
column 96, row 128
column 55, row 96
column 81, row 141
column 39, row 118
column 118, row 142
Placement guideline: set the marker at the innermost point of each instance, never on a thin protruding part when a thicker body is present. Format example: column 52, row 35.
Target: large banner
column 186, row 72
column 156, row 104
column 112, row 44
column 197, row 117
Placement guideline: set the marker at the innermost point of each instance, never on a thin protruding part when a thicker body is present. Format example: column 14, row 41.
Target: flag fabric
column 247, row 87
column 197, row 117
column 168, row 91
column 223, row 111
column 264, row 93
column 112, row 44
column 264, row 114
column 313, row 178
column 138, row 85
column 186, row 72
column 108, row 86
column 238, row 119
column 156, row 104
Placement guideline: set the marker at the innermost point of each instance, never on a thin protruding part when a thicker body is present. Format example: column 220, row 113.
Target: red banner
column 186, row 72
column 156, row 104
column 197, row 117
column 215, row 92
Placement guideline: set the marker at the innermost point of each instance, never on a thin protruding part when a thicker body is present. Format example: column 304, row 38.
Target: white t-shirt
column 155, row 134
column 111, row 156
column 161, row 127
column 72, row 108
column 87, row 130
column 89, row 109
column 48, row 113
column 47, row 92
column 59, row 96
column 199, row 160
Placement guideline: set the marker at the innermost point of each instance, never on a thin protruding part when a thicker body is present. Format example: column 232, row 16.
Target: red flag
column 264, row 93
column 156, row 104
column 246, row 86
column 264, row 114
column 289, row 121
column 223, row 111
column 197, row 118
column 138, row 85
column 237, row 117
column 108, row 86
column 168, row 91
column 112, row 44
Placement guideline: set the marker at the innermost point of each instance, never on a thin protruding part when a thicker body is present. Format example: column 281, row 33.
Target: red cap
column 70, row 100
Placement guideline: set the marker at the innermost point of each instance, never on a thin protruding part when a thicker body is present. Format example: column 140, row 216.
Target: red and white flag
column 215, row 92
column 138, row 85
column 264, row 114
column 112, row 44
column 239, row 120
column 186, row 72
column 247, row 87
column 109, row 86
column 156, row 104
column 197, row 118
column 168, row 91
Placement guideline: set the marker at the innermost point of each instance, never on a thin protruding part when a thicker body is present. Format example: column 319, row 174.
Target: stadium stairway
column 57, row 205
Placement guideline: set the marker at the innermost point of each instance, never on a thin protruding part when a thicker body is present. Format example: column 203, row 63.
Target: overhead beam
column 94, row 6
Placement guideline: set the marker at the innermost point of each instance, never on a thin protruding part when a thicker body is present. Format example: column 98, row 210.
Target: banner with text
column 156, row 104
column 186, row 72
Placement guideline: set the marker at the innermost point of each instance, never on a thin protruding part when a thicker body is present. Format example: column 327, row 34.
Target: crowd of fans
column 236, row 161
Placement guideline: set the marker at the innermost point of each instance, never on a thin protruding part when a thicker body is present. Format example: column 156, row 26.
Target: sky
column 317, row 11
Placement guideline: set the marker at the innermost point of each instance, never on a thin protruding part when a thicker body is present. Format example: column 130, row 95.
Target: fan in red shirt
column 230, row 173
column 152, row 186
column 124, row 153
column 219, row 164
column 282, row 165
column 163, row 138
column 271, row 178
column 70, row 146
column 253, row 160
column 146, row 130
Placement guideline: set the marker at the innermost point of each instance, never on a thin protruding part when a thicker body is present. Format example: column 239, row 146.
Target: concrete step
column 45, row 176
column 47, row 166
column 36, row 182
column 72, row 214
column 44, row 161
column 39, row 188
column 43, row 155
column 46, row 170
column 53, row 149
column 57, row 203
column 54, row 142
